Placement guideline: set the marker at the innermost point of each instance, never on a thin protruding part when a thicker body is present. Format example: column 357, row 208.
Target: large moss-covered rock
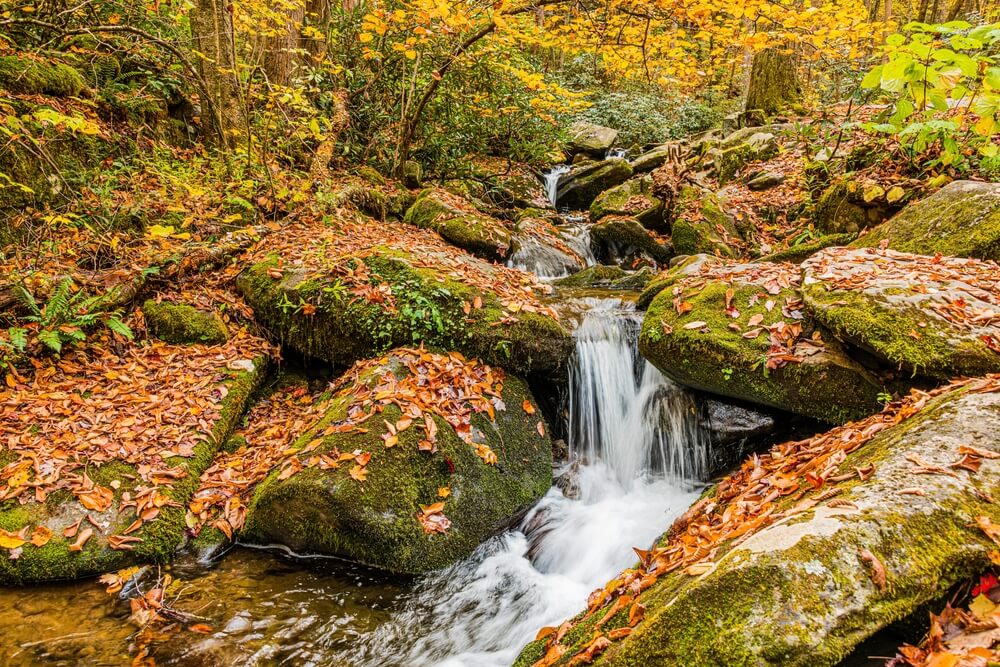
column 33, row 76
column 635, row 198
column 961, row 220
column 375, row 521
column 657, row 157
column 183, row 324
column 796, row 254
column 805, row 591
column 680, row 266
column 579, row 188
column 731, row 158
column 742, row 332
column 410, row 301
column 930, row 316
column 624, row 240
column 842, row 208
column 701, row 225
column 459, row 223
column 591, row 139
column 161, row 455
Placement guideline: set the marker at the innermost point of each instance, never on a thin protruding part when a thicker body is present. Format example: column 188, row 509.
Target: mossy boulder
column 160, row 537
column 459, row 223
column 579, row 188
column 183, row 324
column 728, row 330
column 680, row 267
column 701, row 225
column 960, row 220
column 31, row 76
column 656, row 158
column 805, row 592
column 635, row 198
column 796, row 254
column 591, row 139
column 608, row 277
column 915, row 312
column 731, row 158
column 624, row 240
column 842, row 208
column 427, row 306
column 375, row 521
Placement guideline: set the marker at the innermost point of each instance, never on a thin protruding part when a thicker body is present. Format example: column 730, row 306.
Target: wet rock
column 608, row 277
column 656, row 158
column 728, row 424
column 938, row 317
column 590, row 139
column 680, row 266
column 375, row 522
column 625, row 241
column 766, row 181
column 742, row 332
column 960, row 220
column 579, row 188
column 632, row 198
column 701, row 225
column 183, row 324
column 539, row 248
column 459, row 223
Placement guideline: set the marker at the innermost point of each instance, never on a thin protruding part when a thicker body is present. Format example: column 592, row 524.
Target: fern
column 57, row 307
column 51, row 339
column 116, row 325
column 28, row 300
column 18, row 338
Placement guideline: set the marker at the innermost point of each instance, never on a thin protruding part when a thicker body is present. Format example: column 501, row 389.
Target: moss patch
column 184, row 324
column 36, row 77
column 701, row 225
column 459, row 224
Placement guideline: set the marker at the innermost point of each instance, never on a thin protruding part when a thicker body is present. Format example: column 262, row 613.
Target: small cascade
column 576, row 233
column 640, row 454
column 545, row 261
column 551, row 179
column 616, row 153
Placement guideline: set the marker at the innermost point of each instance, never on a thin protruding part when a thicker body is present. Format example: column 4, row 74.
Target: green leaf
column 50, row 339
column 873, row 78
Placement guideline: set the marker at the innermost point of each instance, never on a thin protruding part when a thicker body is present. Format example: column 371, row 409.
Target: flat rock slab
column 935, row 316
column 961, row 219
column 742, row 331
column 100, row 451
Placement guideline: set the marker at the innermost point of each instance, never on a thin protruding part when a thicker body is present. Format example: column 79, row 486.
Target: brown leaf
column 876, row 569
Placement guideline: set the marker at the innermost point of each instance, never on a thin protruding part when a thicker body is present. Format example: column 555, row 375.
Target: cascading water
column 552, row 182
column 637, row 436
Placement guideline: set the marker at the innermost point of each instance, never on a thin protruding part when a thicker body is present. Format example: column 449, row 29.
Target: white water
column 552, row 181
column 637, row 433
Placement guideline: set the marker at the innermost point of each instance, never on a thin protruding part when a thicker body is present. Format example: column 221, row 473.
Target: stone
column 961, row 219
column 413, row 174
column 657, row 157
column 701, row 225
column 580, row 187
column 375, row 522
column 591, row 139
column 461, row 224
column 766, row 181
column 608, row 277
column 625, row 241
column 842, row 209
column 632, row 198
column 183, row 324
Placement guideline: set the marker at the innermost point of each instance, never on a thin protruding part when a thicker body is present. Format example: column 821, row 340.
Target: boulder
column 608, row 277
column 742, row 331
column 624, row 240
column 579, row 188
column 730, row 159
column 807, row 584
column 796, row 254
column 36, row 76
column 766, row 181
column 331, row 301
column 590, row 139
column 933, row 316
column 141, row 426
column 680, row 267
column 961, row 220
column 182, row 323
column 842, row 208
column 657, row 157
column 632, row 198
column 701, row 225
column 459, row 223
column 728, row 424
column 477, row 448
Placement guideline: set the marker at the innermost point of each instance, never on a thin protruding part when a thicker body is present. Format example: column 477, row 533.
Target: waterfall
column 640, row 453
column 551, row 178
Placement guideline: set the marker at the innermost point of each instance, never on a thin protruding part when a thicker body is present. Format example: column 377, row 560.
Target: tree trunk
column 212, row 34
column 281, row 52
column 774, row 82
column 956, row 10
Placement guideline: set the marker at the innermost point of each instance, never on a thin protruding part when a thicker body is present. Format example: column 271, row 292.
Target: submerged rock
column 927, row 315
column 591, row 139
column 624, row 240
column 821, row 575
column 579, row 188
column 632, row 198
column 393, row 503
column 459, row 223
column 742, row 331
column 960, row 220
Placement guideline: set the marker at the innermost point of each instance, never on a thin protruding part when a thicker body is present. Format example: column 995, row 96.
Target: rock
column 961, row 220
column 728, row 424
column 776, row 356
column 657, row 157
column 413, row 174
column 915, row 312
column 842, row 209
column 806, row 590
column 766, row 181
column 183, row 324
column 680, row 267
column 39, row 77
column 797, row 254
column 225, row 375
column 590, row 139
column 632, row 198
column 608, row 277
column 375, row 522
column 623, row 240
column 701, row 225
column 407, row 287
column 579, row 188
column 730, row 159
column 459, row 223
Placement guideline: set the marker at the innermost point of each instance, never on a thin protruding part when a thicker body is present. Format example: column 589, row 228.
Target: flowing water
column 638, row 456
column 551, row 179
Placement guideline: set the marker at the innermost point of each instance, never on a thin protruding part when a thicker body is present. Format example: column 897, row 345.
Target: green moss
column 183, row 324
column 160, row 538
column 621, row 236
column 611, row 277
column 584, row 184
column 632, row 198
column 466, row 229
column 797, row 254
column 699, row 217
column 375, row 522
column 35, row 77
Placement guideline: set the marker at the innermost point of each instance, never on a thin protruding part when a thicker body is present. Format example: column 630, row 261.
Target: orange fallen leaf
column 81, row 539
